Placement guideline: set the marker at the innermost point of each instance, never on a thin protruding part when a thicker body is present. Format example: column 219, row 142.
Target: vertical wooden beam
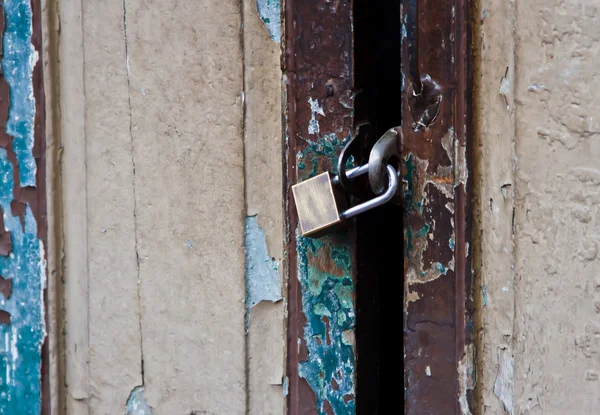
column 439, row 375
column 317, row 69
column 23, row 356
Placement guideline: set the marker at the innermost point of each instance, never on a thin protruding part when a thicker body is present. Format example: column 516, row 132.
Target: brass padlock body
column 318, row 203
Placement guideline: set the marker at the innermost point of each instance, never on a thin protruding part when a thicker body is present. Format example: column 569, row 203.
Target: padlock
column 321, row 203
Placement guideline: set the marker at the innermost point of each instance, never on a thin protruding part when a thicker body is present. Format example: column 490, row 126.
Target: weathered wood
column 23, row 354
column 319, row 117
column 437, row 304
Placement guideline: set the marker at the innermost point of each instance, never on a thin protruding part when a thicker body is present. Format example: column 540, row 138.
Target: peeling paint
column 415, row 180
column 327, row 300
column 466, row 378
column 504, row 385
column 21, row 341
column 329, row 332
column 504, row 89
column 19, row 59
column 262, row 275
column 136, row 404
column 315, row 108
column 270, row 13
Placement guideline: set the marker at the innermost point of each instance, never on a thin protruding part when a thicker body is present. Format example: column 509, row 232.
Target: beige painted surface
column 114, row 328
column 185, row 72
column 151, row 203
column 542, row 355
column 557, row 353
column 494, row 172
column 263, row 166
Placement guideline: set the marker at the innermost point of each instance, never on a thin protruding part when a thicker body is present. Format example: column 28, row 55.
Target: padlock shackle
column 377, row 201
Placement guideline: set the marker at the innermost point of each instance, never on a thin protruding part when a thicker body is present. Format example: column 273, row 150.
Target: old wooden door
column 385, row 63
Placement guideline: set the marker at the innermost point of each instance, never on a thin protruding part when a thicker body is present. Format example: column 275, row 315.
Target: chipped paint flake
column 19, row 59
column 315, row 109
column 504, row 385
column 466, row 378
column 262, row 275
column 270, row 13
column 136, row 404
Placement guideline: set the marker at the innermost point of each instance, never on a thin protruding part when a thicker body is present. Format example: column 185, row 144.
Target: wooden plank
column 24, row 383
column 319, row 117
column 439, row 374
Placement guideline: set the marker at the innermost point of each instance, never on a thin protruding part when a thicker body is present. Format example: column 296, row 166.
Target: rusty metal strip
column 439, row 376
column 317, row 67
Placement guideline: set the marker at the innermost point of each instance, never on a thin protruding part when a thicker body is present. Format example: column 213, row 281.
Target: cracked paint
column 262, row 274
column 270, row 13
column 22, row 337
column 19, row 59
column 327, row 300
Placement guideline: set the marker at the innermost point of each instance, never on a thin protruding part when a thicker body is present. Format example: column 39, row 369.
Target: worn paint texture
column 319, row 118
column 435, row 173
column 270, row 13
column 18, row 62
column 327, row 300
column 538, row 198
column 328, row 303
column 557, row 227
column 264, row 200
column 21, row 340
column 136, row 404
column 262, row 275
column 22, row 330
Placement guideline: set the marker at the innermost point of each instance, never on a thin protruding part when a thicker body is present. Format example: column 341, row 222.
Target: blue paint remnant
column 262, row 276
column 189, row 244
column 328, row 303
column 451, row 243
column 485, row 296
column 286, row 386
column 136, row 404
column 21, row 341
column 442, row 269
column 270, row 13
column 18, row 62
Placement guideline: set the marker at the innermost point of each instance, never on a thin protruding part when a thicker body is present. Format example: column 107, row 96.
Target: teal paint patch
column 21, row 341
column 485, row 296
column 310, row 161
column 270, row 13
column 327, row 297
column 19, row 59
column 262, row 276
column 136, row 404
column 328, row 303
